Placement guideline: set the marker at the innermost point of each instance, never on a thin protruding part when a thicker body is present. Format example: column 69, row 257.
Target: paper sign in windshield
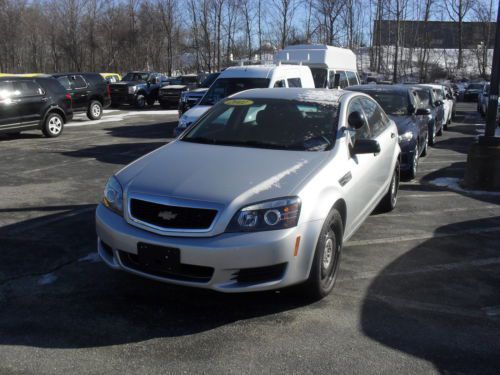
column 238, row 102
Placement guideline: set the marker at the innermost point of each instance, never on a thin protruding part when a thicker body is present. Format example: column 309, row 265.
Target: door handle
column 44, row 99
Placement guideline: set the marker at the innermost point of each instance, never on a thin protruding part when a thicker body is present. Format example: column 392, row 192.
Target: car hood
column 199, row 91
column 403, row 123
column 195, row 113
column 223, row 175
column 174, row 87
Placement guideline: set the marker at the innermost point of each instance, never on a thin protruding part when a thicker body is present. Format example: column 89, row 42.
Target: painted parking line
column 421, row 236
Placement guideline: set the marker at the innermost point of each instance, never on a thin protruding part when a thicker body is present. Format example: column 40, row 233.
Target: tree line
column 175, row 36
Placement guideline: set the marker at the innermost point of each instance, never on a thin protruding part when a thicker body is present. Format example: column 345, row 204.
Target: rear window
column 77, row 82
column 352, row 79
column 64, row 81
column 393, row 103
column 223, row 87
column 294, row 82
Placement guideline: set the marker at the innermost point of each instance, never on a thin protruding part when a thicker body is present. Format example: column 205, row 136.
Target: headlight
column 183, row 122
column 406, row 137
column 131, row 89
column 270, row 215
column 113, row 196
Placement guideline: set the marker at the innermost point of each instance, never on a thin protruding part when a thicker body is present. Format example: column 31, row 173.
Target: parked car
column 137, row 89
column 259, row 194
column 472, row 92
column 89, row 92
column 111, row 77
column 332, row 67
column 33, row 103
column 452, row 98
column 190, row 98
column 170, row 95
column 402, row 105
column 428, row 100
column 483, row 101
column 240, row 78
column 446, row 102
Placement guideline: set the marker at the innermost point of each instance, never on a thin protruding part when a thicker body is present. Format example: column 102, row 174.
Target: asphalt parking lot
column 418, row 289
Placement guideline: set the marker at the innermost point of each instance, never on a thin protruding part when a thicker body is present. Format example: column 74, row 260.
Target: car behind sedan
column 258, row 194
column 402, row 105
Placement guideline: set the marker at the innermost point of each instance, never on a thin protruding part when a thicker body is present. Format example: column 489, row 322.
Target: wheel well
column 341, row 207
column 98, row 98
column 59, row 111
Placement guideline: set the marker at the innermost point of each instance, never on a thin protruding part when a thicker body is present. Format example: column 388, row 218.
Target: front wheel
column 94, row 112
column 388, row 203
column 151, row 101
column 53, row 126
column 140, row 101
column 432, row 135
column 412, row 172
column 326, row 260
column 440, row 131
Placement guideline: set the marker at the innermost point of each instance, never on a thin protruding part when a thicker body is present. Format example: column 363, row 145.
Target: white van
column 239, row 78
column 332, row 67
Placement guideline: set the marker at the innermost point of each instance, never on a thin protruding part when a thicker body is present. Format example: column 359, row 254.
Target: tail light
column 70, row 99
column 108, row 92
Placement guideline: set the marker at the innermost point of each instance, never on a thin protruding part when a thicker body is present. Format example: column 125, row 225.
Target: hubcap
column 55, row 125
column 96, row 110
column 328, row 254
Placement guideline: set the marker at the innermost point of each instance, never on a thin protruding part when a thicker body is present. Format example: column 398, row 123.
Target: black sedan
column 401, row 104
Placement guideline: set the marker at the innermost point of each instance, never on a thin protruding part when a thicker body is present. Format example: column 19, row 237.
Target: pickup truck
column 170, row 95
column 137, row 89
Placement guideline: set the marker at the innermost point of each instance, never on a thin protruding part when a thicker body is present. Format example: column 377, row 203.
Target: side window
column 364, row 131
column 343, row 82
column 374, row 116
column 77, row 82
column 294, row 82
column 223, row 118
column 6, row 91
column 64, row 81
column 279, row 83
column 351, row 78
column 331, row 80
column 27, row 88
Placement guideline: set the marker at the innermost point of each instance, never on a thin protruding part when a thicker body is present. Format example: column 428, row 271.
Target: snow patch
column 91, row 257
column 47, row 279
column 454, row 184
column 81, row 119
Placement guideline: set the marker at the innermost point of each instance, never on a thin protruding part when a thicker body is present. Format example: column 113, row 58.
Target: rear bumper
column 228, row 262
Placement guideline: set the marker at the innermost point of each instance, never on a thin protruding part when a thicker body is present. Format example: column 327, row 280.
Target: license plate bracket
column 159, row 257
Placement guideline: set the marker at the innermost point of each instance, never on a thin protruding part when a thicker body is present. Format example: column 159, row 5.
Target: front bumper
column 407, row 155
column 228, row 254
column 123, row 99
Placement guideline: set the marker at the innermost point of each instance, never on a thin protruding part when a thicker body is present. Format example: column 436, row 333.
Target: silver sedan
column 260, row 193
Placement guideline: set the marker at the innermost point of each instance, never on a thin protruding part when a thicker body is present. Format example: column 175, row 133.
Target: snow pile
column 454, row 184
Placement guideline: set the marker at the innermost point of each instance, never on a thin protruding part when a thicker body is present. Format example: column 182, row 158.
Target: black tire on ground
column 53, row 125
column 412, row 172
column 440, row 131
column 151, row 101
column 432, row 135
column 140, row 101
column 388, row 203
column 326, row 259
column 94, row 112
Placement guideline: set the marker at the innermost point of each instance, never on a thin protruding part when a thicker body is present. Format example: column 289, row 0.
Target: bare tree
column 457, row 11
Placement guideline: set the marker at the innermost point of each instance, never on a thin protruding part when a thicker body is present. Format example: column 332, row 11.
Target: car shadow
column 439, row 301
column 120, row 153
column 162, row 130
column 86, row 304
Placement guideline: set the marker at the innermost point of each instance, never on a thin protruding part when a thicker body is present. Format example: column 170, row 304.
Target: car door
column 32, row 101
column 387, row 138
column 80, row 91
column 360, row 173
column 9, row 111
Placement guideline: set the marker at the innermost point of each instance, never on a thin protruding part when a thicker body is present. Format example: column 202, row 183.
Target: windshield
column 130, row 77
column 189, row 79
column 424, row 98
column 209, row 80
column 475, row 86
column 393, row 103
column 268, row 123
column 224, row 87
column 319, row 76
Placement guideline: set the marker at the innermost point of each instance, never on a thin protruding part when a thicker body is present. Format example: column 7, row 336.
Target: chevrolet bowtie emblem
column 167, row 215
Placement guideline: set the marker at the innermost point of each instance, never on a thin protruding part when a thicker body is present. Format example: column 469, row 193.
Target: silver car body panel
column 227, row 178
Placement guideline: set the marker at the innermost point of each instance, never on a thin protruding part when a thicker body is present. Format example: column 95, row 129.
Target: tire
column 151, row 102
column 94, row 112
column 432, row 135
column 440, row 131
column 140, row 101
column 412, row 173
column 390, row 199
column 424, row 151
column 53, row 125
column 324, row 268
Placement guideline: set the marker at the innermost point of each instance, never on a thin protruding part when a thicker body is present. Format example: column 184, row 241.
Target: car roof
column 299, row 94
column 380, row 88
column 257, row 71
column 431, row 85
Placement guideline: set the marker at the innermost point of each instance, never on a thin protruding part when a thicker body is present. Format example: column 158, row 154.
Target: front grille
column 185, row 272
column 260, row 274
column 119, row 90
column 171, row 217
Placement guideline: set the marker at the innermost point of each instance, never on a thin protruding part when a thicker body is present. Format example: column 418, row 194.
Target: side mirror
column 411, row 109
column 438, row 103
column 356, row 120
column 423, row 112
column 366, row 146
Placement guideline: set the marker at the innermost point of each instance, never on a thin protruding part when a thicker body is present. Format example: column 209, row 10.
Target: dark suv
column 33, row 103
column 89, row 91
column 137, row 89
column 169, row 95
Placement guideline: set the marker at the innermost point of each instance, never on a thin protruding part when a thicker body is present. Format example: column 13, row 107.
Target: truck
column 138, row 89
